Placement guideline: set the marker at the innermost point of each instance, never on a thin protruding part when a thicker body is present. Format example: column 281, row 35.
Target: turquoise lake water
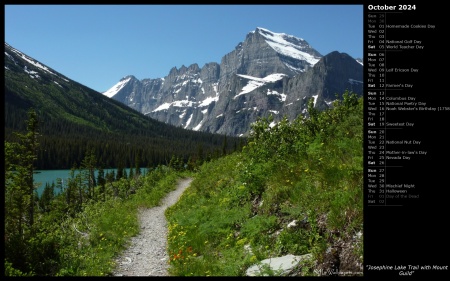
column 51, row 176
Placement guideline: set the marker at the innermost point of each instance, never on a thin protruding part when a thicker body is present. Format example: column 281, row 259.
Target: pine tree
column 47, row 196
column 200, row 154
column 119, row 174
column 31, row 144
column 224, row 146
column 137, row 164
column 88, row 166
column 101, row 181
column 20, row 196
column 131, row 175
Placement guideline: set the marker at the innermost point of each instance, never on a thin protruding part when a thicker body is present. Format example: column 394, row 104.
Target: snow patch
column 163, row 106
column 29, row 71
column 282, row 97
column 353, row 81
column 330, row 103
column 278, row 42
column 196, row 128
column 208, row 101
column 255, row 82
column 315, row 99
column 116, row 88
column 11, row 58
column 189, row 121
column 179, row 103
column 35, row 63
column 182, row 114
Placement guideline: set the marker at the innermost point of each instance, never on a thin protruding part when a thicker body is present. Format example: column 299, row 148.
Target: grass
column 308, row 172
column 296, row 188
column 104, row 228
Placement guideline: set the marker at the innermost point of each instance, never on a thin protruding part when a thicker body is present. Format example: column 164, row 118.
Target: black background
column 416, row 232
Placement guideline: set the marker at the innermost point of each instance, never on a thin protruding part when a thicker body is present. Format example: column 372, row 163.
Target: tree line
column 63, row 144
column 73, row 118
column 33, row 240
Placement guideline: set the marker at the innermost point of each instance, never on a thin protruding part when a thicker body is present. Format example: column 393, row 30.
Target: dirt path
column 147, row 254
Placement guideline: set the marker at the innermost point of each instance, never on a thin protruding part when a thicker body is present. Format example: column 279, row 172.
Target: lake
column 50, row 176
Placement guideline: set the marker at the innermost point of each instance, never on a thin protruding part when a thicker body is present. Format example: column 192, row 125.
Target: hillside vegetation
column 295, row 188
column 74, row 119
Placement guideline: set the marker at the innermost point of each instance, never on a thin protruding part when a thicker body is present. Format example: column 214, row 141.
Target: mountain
column 267, row 73
column 74, row 118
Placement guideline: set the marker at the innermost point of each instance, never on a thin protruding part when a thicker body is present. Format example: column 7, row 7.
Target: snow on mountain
column 255, row 82
column 267, row 73
column 281, row 96
column 178, row 103
column 31, row 61
column 116, row 88
column 280, row 43
column 33, row 74
column 209, row 100
column 187, row 103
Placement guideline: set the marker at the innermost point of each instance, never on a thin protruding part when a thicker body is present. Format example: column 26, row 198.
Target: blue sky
column 97, row 45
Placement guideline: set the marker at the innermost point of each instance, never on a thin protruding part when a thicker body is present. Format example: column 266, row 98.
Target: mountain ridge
column 226, row 98
column 75, row 118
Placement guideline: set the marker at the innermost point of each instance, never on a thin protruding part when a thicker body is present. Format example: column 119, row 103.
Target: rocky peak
column 210, row 72
column 267, row 73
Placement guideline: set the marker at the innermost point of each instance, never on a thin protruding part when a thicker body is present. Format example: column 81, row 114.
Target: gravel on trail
column 147, row 254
